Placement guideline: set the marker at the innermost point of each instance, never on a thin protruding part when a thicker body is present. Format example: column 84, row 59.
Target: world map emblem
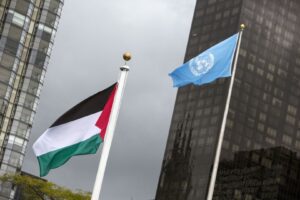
column 201, row 64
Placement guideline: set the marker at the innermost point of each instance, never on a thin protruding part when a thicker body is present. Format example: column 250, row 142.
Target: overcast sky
column 87, row 54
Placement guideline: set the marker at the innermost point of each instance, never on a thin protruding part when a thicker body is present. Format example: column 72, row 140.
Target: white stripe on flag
column 64, row 135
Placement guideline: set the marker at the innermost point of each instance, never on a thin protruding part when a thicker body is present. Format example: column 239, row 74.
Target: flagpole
column 221, row 136
column 110, row 128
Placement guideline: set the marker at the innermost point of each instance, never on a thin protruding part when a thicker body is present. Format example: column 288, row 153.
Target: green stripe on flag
column 59, row 157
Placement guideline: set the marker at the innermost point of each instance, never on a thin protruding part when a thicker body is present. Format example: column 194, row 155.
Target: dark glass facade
column 27, row 30
column 263, row 113
column 269, row 173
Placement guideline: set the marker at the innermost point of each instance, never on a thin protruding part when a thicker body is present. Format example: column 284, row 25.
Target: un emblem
column 201, row 64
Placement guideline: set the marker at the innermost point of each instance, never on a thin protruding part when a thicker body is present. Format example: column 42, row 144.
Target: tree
column 39, row 189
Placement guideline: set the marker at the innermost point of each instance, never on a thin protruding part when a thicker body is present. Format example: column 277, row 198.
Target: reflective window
column 18, row 19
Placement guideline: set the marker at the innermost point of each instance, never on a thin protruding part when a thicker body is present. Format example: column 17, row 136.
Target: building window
column 260, row 127
column 216, row 109
column 225, row 144
column 229, row 123
column 200, row 142
column 297, row 144
column 287, row 139
column 266, row 162
column 255, row 158
column 292, row 110
column 270, row 77
column 235, row 148
column 210, row 140
column 262, row 117
column 237, row 194
column 276, row 102
column 270, row 141
column 291, row 120
column 211, row 2
column 250, row 66
column 18, row 19
column 272, row 132
column 260, row 71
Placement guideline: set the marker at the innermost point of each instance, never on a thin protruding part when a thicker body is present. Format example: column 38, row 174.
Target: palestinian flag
column 77, row 132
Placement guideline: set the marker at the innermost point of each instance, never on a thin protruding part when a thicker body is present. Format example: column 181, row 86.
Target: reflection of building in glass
column 264, row 109
column 265, row 174
column 180, row 156
column 27, row 29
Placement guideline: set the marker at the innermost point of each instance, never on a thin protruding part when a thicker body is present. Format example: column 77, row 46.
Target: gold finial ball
column 243, row 26
column 127, row 56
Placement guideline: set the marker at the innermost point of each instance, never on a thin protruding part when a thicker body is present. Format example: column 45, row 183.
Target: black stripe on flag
column 91, row 105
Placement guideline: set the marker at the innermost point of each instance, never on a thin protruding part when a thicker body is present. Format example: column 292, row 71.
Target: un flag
column 211, row 64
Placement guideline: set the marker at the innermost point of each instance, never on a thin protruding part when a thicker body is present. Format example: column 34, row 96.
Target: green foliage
column 38, row 189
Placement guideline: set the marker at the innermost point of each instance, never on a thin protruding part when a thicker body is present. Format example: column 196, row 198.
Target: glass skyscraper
column 27, row 30
column 261, row 148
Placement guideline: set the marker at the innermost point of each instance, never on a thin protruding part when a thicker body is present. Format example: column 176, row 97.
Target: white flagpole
column 221, row 136
column 110, row 129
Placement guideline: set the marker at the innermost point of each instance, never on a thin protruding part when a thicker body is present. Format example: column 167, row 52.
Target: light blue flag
column 211, row 64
